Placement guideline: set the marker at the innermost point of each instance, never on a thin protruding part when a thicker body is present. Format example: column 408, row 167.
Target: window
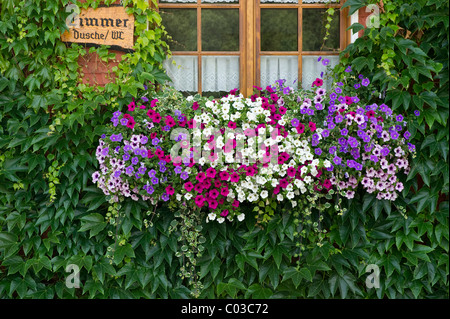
column 219, row 45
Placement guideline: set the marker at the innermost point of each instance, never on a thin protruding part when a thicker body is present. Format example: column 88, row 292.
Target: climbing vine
column 51, row 214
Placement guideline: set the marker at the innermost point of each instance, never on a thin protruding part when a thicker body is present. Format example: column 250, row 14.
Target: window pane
column 220, row 29
column 279, row 30
column 181, row 25
column 275, row 68
column 311, row 69
column 314, row 21
column 184, row 73
column 220, row 73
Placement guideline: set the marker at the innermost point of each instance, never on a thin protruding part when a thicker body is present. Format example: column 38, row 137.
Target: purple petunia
column 365, row 82
column 184, row 175
column 151, row 173
column 337, row 160
column 407, row 135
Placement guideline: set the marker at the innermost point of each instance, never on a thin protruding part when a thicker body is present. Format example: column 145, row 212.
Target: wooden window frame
column 250, row 37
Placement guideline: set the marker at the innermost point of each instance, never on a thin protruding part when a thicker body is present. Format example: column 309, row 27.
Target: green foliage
column 51, row 215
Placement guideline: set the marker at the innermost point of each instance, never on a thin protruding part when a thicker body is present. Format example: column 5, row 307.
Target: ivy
column 51, row 215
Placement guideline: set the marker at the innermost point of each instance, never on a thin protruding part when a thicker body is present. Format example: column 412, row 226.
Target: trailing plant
column 48, row 116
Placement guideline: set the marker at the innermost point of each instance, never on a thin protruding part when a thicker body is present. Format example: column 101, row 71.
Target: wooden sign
column 102, row 26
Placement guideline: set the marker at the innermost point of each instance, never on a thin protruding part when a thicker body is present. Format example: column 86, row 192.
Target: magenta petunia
column 211, row 172
column 234, row 177
column 232, row 125
column 200, row 176
column 188, row 186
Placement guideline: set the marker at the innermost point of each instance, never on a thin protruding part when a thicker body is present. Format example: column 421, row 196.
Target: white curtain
column 220, row 73
column 311, row 69
column 184, row 73
column 274, row 68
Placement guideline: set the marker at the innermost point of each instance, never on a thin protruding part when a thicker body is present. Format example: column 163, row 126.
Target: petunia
column 232, row 125
column 170, row 190
column 234, row 177
column 224, row 176
column 184, row 175
column 188, row 186
column 224, row 191
column 210, row 172
column 365, row 82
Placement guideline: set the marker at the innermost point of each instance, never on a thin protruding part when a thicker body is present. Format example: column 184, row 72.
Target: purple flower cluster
column 365, row 145
column 126, row 156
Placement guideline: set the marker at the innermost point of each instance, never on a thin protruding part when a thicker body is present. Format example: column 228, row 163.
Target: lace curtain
column 311, row 69
column 184, row 73
column 274, row 68
column 219, row 73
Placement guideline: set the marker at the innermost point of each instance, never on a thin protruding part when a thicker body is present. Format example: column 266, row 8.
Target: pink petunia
column 188, row 186
column 170, row 190
column 232, row 125
column 234, row 177
column 224, row 176
column 200, row 177
column 211, row 172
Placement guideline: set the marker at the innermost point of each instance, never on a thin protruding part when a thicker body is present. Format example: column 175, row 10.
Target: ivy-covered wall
column 52, row 215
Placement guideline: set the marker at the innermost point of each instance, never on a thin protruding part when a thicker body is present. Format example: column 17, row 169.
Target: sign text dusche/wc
column 102, row 26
